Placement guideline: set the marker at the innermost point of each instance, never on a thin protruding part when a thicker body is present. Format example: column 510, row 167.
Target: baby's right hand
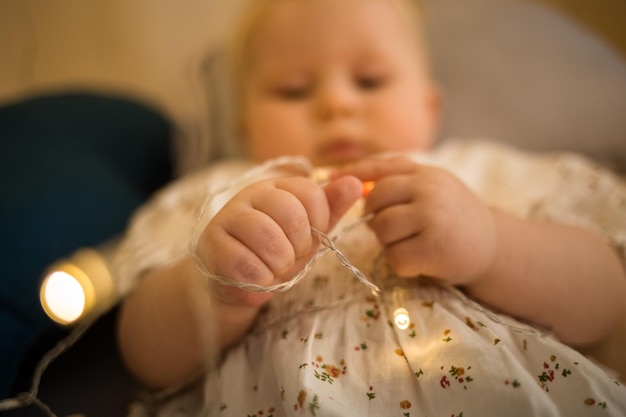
column 263, row 234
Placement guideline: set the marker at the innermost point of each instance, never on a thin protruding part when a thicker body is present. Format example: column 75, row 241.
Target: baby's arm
column 566, row 278
column 176, row 320
column 561, row 277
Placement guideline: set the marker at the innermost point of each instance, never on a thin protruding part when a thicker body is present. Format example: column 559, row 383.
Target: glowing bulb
column 401, row 318
column 321, row 175
column 63, row 297
column 368, row 186
column 400, row 314
column 76, row 287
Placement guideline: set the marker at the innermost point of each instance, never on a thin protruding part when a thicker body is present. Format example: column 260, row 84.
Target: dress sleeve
column 586, row 195
column 160, row 231
column 562, row 187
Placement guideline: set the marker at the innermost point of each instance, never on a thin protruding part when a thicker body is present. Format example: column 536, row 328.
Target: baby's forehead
column 373, row 30
column 302, row 59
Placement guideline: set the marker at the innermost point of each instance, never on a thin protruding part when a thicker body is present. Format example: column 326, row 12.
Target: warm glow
column 63, row 297
column 368, row 186
column 401, row 318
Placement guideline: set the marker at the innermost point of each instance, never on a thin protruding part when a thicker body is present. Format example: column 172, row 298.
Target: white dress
column 329, row 347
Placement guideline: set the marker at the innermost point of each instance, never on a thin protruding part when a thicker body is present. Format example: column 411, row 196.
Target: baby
column 464, row 239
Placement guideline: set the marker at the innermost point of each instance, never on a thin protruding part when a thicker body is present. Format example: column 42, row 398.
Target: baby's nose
column 337, row 99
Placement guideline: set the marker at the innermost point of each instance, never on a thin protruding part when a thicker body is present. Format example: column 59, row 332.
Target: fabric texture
column 329, row 347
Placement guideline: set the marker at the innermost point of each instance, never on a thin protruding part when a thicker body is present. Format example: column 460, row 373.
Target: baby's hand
column 263, row 234
column 428, row 221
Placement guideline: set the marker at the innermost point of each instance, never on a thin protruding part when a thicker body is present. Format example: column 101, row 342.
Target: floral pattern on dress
column 328, row 348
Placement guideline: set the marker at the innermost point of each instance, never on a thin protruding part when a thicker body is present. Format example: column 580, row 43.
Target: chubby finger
column 396, row 224
column 324, row 206
column 255, row 249
column 291, row 216
column 341, row 195
column 311, row 197
column 389, row 191
column 376, row 168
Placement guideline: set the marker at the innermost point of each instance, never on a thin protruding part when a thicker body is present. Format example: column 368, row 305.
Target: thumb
column 342, row 193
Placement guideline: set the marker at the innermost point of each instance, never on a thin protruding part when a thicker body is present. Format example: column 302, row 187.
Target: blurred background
column 151, row 47
column 141, row 48
column 605, row 17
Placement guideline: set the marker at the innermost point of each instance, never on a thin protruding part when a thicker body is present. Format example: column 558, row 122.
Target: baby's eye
column 292, row 93
column 370, row 82
column 292, row 90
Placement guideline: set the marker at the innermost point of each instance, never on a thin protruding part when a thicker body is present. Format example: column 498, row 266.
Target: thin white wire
column 25, row 399
column 328, row 243
column 31, row 397
column 254, row 173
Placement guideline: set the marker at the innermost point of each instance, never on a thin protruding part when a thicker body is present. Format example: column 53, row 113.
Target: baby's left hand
column 428, row 221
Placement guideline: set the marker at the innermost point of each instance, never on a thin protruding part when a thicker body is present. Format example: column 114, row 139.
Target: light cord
column 328, row 243
column 25, row 399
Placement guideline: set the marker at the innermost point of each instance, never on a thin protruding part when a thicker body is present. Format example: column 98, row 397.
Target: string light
column 322, row 176
column 76, row 287
column 400, row 314
column 368, row 186
column 63, row 297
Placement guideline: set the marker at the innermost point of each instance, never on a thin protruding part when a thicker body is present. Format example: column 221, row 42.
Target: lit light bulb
column 368, row 186
column 64, row 297
column 321, row 175
column 401, row 316
column 76, row 287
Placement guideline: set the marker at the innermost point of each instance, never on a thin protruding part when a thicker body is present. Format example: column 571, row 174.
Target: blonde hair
column 409, row 10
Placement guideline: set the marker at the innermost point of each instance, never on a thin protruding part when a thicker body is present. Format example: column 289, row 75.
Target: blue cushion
column 73, row 168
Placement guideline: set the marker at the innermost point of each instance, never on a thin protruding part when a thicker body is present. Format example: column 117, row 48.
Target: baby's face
column 335, row 81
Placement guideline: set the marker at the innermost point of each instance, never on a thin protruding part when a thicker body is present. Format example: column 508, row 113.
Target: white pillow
column 524, row 73
column 516, row 71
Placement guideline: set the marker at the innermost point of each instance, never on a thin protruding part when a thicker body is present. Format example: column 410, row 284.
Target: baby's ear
column 342, row 193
